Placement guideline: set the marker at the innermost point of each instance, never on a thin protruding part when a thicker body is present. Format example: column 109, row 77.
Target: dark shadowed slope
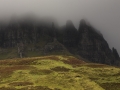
column 29, row 37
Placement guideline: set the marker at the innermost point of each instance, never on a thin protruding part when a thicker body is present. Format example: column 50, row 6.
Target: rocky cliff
column 93, row 46
column 30, row 38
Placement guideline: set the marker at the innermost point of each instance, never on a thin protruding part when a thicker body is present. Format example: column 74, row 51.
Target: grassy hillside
column 35, row 50
column 57, row 73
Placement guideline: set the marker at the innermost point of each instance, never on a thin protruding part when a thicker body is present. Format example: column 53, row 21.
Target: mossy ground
column 57, row 73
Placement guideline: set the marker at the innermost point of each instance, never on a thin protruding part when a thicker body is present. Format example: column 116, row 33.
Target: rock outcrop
column 70, row 35
column 31, row 38
column 54, row 48
column 115, row 53
column 93, row 46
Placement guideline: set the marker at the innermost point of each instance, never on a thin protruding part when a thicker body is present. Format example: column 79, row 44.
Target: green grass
column 57, row 72
column 33, row 50
column 8, row 53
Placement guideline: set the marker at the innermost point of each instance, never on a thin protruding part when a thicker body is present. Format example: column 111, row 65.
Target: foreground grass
column 57, row 73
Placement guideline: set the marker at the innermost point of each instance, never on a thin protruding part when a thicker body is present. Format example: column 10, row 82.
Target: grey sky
column 104, row 15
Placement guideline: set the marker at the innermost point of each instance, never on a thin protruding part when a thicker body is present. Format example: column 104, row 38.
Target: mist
column 104, row 15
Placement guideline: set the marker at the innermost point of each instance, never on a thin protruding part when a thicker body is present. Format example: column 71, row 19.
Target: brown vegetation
column 54, row 58
column 97, row 65
column 6, row 71
column 111, row 86
column 73, row 61
column 40, row 72
column 41, row 88
column 20, row 83
column 7, row 88
column 60, row 69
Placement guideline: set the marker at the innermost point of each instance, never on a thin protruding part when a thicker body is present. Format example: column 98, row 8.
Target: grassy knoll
column 57, row 73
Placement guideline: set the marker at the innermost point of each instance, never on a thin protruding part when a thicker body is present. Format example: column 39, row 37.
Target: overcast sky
column 104, row 15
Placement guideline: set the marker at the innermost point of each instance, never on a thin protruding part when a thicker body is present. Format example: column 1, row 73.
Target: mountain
column 31, row 37
column 88, row 43
column 93, row 46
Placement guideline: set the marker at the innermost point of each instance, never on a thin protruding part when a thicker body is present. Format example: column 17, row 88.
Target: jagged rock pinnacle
column 86, row 42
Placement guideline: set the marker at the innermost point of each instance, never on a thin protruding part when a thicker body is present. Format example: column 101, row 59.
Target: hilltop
column 57, row 73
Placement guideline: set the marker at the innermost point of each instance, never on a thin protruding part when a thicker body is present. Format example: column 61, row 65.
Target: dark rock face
column 53, row 47
column 86, row 41
column 115, row 53
column 93, row 46
column 69, row 35
column 26, row 31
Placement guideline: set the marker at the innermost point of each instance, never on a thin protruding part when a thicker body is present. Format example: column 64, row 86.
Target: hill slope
column 57, row 73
